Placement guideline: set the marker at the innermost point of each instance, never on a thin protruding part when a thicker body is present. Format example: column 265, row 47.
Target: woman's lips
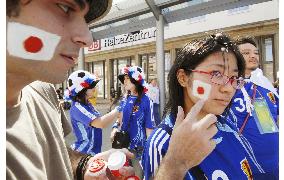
column 222, row 102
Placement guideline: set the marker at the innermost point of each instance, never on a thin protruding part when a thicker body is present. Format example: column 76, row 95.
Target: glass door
column 117, row 65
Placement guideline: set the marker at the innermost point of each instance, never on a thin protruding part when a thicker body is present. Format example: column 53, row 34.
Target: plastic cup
column 116, row 161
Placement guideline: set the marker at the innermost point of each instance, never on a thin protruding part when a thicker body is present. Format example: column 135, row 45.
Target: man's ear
column 182, row 77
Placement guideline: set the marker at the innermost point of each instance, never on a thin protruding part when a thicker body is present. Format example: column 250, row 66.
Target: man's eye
column 64, row 7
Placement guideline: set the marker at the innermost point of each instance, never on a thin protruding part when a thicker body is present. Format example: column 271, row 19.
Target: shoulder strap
column 196, row 171
column 248, row 114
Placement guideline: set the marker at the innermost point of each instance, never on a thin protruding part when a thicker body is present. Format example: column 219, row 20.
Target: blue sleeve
column 149, row 113
column 155, row 149
column 80, row 113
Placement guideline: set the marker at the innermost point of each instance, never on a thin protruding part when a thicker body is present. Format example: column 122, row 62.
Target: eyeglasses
column 220, row 79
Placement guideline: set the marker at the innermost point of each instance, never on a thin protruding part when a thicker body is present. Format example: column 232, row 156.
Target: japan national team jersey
column 142, row 117
column 227, row 161
column 88, row 138
column 265, row 146
column 121, row 104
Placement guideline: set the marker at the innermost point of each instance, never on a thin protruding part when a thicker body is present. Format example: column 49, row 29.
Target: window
column 149, row 66
column 268, row 50
column 267, row 58
column 117, row 65
column 98, row 69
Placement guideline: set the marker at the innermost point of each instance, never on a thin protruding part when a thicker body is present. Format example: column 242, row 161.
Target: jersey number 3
column 240, row 102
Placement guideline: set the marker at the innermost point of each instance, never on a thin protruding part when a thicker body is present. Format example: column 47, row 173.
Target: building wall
column 260, row 30
column 259, row 20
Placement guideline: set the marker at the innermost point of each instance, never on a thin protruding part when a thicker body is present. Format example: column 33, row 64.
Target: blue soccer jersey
column 88, row 138
column 121, row 104
column 142, row 117
column 265, row 146
column 227, row 161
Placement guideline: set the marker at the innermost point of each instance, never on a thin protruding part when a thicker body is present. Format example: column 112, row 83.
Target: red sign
column 96, row 45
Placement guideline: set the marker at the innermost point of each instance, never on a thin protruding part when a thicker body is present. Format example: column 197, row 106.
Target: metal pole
column 160, row 58
column 81, row 60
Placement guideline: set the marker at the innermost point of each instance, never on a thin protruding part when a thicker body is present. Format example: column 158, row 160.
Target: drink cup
column 116, row 161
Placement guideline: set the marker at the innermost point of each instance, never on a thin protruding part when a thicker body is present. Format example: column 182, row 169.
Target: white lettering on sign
column 131, row 37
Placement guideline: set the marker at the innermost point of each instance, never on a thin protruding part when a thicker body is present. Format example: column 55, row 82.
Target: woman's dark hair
column 81, row 97
column 189, row 57
column 138, row 87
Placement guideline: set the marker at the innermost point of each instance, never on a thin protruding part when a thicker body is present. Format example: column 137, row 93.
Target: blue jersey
column 265, row 146
column 121, row 104
column 227, row 161
column 88, row 138
column 142, row 117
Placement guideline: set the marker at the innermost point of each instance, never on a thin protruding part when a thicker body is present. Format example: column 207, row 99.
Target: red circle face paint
column 33, row 44
column 200, row 90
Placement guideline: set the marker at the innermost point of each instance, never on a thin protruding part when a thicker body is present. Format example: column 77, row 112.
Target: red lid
column 96, row 165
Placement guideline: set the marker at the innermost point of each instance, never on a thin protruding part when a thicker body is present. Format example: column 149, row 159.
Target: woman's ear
column 182, row 77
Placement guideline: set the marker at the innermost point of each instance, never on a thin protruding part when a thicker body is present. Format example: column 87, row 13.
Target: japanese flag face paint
column 201, row 89
column 29, row 42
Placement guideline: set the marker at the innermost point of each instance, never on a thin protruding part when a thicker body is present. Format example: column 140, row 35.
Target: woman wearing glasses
column 205, row 72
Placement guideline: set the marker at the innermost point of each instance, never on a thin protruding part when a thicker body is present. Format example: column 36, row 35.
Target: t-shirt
column 265, row 146
column 88, row 138
column 142, row 117
column 227, row 161
column 35, row 130
column 153, row 93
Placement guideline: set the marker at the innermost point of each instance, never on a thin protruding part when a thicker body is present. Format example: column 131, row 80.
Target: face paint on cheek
column 201, row 89
column 33, row 44
column 29, row 42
